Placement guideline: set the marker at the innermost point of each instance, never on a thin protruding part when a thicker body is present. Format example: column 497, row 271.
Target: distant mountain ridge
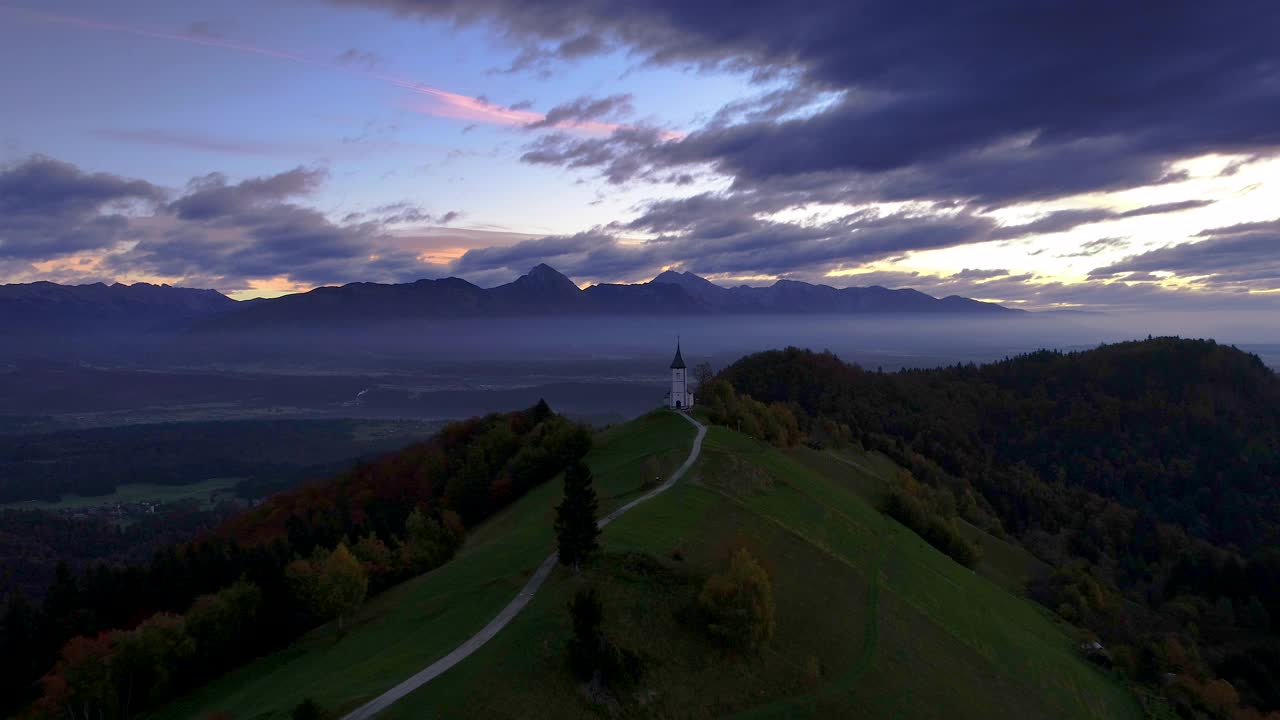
column 794, row 296
column 50, row 307
column 543, row 291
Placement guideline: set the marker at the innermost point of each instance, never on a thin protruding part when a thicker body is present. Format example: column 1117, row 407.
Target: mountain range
column 543, row 291
column 50, row 307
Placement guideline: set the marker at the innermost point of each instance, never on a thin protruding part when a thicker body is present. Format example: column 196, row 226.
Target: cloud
column 403, row 213
column 939, row 100
column 1094, row 247
column 50, row 209
column 585, row 111
column 1239, row 257
column 70, row 224
column 212, row 198
column 708, row 235
column 538, row 58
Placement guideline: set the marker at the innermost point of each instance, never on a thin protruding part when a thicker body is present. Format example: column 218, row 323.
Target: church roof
column 678, row 362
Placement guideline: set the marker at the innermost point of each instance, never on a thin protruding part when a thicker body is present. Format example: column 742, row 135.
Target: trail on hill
column 473, row 643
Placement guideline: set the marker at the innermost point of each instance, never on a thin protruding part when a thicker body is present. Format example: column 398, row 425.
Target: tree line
column 300, row 559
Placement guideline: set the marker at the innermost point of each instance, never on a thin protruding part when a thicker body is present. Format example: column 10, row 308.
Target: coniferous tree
column 576, row 529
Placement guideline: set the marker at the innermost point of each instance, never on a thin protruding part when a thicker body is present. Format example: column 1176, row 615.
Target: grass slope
column 871, row 621
column 410, row 626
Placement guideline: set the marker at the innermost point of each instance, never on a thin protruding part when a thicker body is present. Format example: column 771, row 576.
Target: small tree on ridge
column 576, row 529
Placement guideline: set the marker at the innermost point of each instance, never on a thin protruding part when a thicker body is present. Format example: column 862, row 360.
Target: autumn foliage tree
column 146, row 659
column 428, row 542
column 81, row 684
column 331, row 584
column 738, row 603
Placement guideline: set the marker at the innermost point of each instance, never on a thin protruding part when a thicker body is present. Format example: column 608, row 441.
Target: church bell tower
column 680, row 397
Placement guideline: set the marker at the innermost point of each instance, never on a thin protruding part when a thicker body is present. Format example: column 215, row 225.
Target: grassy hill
column 871, row 621
column 408, row 627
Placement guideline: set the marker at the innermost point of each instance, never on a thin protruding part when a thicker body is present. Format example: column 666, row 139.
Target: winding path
column 473, row 643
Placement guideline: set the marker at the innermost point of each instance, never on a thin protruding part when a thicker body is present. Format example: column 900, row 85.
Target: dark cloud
column 1063, row 220
column 772, row 105
column 402, row 213
column 990, row 101
column 620, row 158
column 960, row 108
column 732, row 233
column 706, row 235
column 217, row 233
column 975, row 274
column 1166, row 208
column 1053, row 222
column 211, row 197
column 50, row 209
column 584, row 109
column 1241, row 257
column 538, row 58
column 234, row 232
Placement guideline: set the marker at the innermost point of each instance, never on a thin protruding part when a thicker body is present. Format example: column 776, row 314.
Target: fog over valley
column 597, row 368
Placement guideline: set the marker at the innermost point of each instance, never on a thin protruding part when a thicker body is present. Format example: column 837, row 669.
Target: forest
column 115, row 640
column 1146, row 473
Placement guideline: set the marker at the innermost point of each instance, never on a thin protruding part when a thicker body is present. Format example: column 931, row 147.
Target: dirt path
column 473, row 643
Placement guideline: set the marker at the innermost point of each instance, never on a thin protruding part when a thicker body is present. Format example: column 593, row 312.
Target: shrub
column 309, row 709
column 738, row 604
column 935, row 530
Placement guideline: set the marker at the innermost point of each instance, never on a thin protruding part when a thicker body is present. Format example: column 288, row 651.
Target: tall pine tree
column 576, row 529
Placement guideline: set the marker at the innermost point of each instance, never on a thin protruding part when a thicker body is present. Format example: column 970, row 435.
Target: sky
column 1045, row 155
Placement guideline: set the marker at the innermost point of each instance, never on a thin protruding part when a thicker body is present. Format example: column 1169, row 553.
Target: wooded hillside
column 1144, row 470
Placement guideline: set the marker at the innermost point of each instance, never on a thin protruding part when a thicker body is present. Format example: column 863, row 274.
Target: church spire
column 678, row 362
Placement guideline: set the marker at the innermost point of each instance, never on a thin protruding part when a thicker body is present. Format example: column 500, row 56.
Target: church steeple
column 679, row 398
column 678, row 362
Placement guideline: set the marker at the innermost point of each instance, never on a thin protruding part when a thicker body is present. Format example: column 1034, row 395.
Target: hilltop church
column 679, row 397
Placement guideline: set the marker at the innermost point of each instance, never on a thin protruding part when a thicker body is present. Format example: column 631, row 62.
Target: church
column 679, row 398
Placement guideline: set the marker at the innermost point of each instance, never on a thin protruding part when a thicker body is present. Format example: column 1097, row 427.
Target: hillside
column 116, row 639
column 871, row 621
column 1152, row 424
column 1147, row 473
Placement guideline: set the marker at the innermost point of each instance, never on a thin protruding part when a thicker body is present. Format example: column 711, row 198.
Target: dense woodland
column 34, row 542
column 1147, row 473
column 115, row 640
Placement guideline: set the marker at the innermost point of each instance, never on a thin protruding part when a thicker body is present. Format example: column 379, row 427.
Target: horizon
column 392, row 140
column 581, row 286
